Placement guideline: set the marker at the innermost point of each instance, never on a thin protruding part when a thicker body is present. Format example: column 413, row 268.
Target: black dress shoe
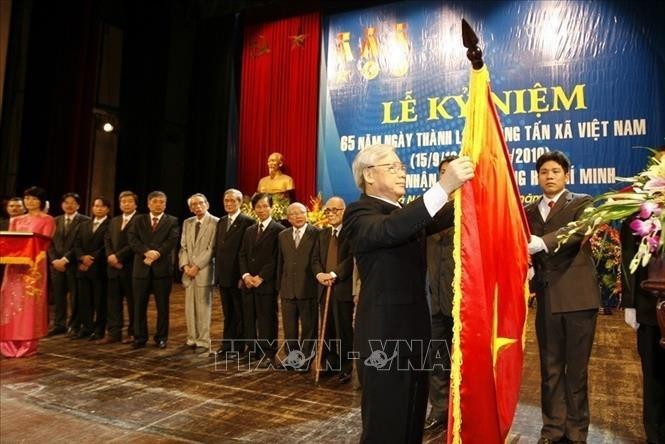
column 226, row 354
column 57, row 331
column 160, row 344
column 434, row 424
column 138, row 344
column 344, row 377
column 95, row 337
column 71, row 333
column 81, row 335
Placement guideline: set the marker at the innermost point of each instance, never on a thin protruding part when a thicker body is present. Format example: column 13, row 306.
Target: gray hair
column 366, row 158
column 235, row 193
column 189, row 199
column 295, row 205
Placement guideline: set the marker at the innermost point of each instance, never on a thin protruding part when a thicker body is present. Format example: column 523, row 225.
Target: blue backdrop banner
column 586, row 78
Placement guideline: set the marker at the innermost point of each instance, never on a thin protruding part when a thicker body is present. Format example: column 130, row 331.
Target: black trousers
column 119, row 289
column 565, row 341
column 92, row 305
column 161, row 288
column 339, row 326
column 439, row 381
column 232, row 309
column 260, row 321
column 64, row 284
column 394, row 401
column 306, row 311
column 653, row 380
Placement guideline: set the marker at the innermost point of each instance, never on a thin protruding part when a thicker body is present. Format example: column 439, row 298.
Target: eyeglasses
column 393, row 168
column 332, row 210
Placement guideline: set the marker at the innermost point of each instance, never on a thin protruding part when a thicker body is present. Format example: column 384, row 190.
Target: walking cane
column 322, row 333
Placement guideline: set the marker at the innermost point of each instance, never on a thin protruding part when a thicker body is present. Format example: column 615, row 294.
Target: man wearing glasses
column 332, row 264
column 392, row 320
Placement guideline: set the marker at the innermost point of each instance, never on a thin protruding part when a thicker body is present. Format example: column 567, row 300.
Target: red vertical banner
column 279, row 101
column 491, row 262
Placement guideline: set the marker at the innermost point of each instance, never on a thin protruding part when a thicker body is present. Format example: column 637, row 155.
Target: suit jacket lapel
column 560, row 204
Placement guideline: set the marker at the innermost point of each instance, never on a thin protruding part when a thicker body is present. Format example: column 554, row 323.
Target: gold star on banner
column 259, row 46
column 298, row 40
column 498, row 343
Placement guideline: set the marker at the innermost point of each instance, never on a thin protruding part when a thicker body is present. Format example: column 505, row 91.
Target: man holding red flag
column 392, row 320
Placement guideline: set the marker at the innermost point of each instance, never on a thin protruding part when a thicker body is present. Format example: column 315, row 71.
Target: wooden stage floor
column 76, row 392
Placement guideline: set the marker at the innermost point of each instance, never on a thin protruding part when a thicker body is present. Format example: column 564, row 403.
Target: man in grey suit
column 63, row 266
column 296, row 282
column 197, row 262
column 230, row 232
column 566, row 287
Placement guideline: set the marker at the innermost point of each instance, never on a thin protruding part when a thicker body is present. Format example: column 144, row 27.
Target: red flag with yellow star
column 490, row 283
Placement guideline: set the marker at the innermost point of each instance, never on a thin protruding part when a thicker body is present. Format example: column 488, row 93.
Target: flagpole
column 470, row 42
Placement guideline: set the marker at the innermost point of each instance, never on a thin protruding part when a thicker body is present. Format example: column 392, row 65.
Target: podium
column 23, row 248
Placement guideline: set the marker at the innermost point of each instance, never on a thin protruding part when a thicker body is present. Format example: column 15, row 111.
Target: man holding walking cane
column 332, row 265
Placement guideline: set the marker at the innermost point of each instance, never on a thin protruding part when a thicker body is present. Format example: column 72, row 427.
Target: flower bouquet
column 606, row 251
column 644, row 198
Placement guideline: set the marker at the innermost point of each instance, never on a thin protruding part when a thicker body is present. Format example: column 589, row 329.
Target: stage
column 76, row 391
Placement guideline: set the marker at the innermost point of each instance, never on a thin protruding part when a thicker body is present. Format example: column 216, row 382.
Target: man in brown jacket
column 568, row 299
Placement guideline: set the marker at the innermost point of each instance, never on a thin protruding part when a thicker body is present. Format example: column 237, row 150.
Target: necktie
column 155, row 221
column 95, row 225
column 259, row 231
column 229, row 223
column 124, row 224
column 197, row 229
column 331, row 256
column 67, row 222
column 297, row 238
column 550, row 204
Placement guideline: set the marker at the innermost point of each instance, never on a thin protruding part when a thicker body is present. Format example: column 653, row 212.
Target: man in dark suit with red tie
column 258, row 269
column 332, row 264
column 230, row 232
column 568, row 298
column 63, row 266
column 120, row 259
column 153, row 238
column 393, row 320
column 91, row 270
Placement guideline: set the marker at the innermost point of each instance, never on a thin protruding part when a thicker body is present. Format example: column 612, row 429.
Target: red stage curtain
column 279, row 101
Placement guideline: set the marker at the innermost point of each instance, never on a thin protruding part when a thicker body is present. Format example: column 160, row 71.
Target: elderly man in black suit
column 332, row 264
column 230, row 232
column 63, row 266
column 393, row 321
column 296, row 283
column 120, row 260
column 568, row 297
column 153, row 238
column 258, row 269
column 91, row 270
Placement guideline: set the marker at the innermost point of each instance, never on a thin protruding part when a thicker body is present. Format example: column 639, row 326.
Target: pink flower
column 653, row 242
column 648, row 208
column 655, row 184
column 641, row 227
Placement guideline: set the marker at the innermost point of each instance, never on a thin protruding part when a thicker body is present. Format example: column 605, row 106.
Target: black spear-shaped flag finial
column 470, row 41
